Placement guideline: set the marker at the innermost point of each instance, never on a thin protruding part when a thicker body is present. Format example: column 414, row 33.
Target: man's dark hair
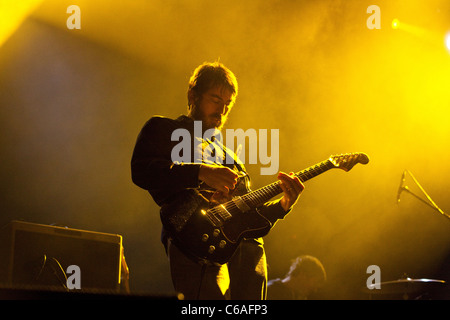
column 209, row 75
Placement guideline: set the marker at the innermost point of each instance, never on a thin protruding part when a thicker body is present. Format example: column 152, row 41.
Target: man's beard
column 215, row 120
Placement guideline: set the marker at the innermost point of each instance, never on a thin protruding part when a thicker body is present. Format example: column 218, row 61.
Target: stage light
column 447, row 40
column 12, row 14
column 395, row 24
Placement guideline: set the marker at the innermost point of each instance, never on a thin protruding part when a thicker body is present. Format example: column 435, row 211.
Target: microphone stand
column 430, row 202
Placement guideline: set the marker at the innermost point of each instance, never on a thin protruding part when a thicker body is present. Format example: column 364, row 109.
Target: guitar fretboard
column 261, row 195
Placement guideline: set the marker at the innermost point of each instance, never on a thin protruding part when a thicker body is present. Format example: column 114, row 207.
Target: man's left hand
column 292, row 188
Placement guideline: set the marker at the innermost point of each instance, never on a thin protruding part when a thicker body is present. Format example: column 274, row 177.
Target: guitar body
column 195, row 234
column 217, row 244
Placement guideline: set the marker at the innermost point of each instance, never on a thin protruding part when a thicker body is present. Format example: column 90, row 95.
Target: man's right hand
column 218, row 177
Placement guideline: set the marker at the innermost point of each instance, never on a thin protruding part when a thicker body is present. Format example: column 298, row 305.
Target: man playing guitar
column 211, row 95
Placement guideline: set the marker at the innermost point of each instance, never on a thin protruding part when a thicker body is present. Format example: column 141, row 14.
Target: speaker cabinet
column 39, row 255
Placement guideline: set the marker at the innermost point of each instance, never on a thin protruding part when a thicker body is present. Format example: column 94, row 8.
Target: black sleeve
column 151, row 166
column 273, row 211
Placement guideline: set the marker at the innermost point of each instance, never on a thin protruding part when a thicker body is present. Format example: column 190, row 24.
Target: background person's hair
column 307, row 265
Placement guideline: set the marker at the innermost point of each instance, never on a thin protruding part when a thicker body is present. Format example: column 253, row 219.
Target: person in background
column 305, row 276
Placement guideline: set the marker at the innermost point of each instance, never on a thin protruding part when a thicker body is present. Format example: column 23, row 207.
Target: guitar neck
column 262, row 195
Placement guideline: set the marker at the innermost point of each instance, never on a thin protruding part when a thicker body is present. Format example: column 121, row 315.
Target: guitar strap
column 227, row 155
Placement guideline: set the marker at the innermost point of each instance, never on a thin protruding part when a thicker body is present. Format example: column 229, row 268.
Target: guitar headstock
column 347, row 161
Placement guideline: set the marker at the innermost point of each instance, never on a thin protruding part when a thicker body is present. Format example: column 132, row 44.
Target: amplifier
column 42, row 255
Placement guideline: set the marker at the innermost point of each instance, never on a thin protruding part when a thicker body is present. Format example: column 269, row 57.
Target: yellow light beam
column 400, row 25
column 12, row 14
column 422, row 33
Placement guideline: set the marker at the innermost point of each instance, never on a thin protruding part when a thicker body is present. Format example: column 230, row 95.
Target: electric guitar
column 211, row 232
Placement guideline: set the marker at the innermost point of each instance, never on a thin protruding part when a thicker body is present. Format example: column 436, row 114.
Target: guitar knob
column 216, row 232
column 211, row 249
column 205, row 237
column 222, row 244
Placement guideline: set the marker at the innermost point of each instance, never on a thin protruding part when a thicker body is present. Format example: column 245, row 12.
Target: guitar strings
column 265, row 193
